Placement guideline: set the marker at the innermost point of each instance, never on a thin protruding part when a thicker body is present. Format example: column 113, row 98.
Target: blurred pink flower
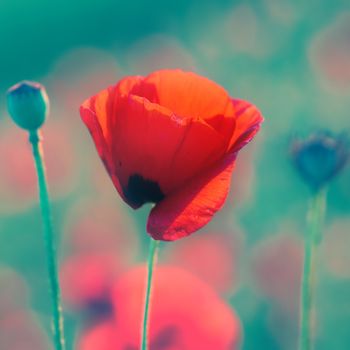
column 187, row 316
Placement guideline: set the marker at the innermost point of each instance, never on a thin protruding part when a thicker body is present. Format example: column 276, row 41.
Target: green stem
column 316, row 216
column 150, row 266
column 57, row 317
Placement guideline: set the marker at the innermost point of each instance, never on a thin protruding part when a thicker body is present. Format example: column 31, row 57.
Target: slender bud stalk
column 152, row 256
column 316, row 217
column 28, row 106
column 57, row 318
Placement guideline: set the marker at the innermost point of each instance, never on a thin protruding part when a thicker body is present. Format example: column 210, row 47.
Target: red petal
column 102, row 105
column 190, row 95
column 193, row 206
column 149, row 140
column 90, row 119
column 248, row 120
column 96, row 112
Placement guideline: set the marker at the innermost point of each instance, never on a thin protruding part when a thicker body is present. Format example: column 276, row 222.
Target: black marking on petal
column 140, row 190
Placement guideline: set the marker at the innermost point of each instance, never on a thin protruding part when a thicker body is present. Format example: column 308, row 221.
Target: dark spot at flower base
column 140, row 191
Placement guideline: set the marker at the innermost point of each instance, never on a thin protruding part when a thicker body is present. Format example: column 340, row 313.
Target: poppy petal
column 188, row 209
column 151, row 142
column 248, row 120
column 183, row 92
column 90, row 119
column 103, row 104
column 96, row 112
column 127, row 84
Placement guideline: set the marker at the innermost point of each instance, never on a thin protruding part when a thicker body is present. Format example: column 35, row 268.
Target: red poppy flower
column 170, row 138
column 187, row 316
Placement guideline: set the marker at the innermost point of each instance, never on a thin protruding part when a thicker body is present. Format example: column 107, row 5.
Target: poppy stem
column 57, row 318
column 152, row 256
column 315, row 216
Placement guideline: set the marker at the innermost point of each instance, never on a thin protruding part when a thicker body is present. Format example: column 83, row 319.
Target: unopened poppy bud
column 320, row 157
column 28, row 104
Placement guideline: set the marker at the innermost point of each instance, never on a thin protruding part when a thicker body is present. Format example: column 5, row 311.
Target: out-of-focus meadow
column 290, row 58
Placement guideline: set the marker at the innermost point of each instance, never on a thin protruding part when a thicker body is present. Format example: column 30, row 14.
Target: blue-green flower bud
column 320, row 157
column 28, row 104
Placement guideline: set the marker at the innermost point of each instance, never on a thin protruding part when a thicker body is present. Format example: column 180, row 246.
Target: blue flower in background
column 320, row 157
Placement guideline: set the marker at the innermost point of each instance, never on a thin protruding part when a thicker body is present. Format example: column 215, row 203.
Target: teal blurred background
column 290, row 58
